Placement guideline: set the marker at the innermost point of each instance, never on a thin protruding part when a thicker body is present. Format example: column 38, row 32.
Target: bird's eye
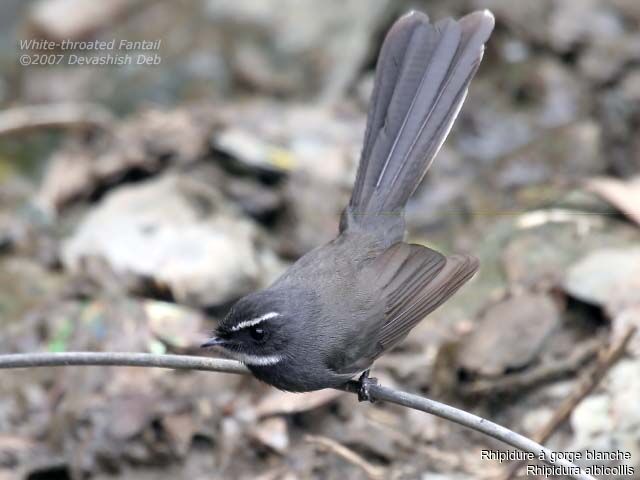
column 257, row 333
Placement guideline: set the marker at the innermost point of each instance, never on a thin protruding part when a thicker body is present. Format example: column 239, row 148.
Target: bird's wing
column 410, row 282
column 414, row 288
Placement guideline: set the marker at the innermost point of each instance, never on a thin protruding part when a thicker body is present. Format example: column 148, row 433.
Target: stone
column 172, row 234
column 606, row 277
column 609, row 420
column 510, row 335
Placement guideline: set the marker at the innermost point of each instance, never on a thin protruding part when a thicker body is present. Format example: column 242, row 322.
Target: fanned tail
column 422, row 77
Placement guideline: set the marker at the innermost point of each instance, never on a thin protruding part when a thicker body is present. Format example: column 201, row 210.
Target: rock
column 134, row 416
column 13, row 448
column 631, row 85
column 283, row 47
column 619, row 115
column 604, row 60
column 607, row 278
column 582, row 21
column 119, row 324
column 442, row 476
column 529, row 18
column 536, row 420
column 175, row 325
column 18, row 222
column 24, row 284
column 546, row 243
column 253, row 151
column 314, row 214
column 68, row 177
column 581, row 200
column 172, row 233
column 406, row 366
column 145, row 143
column 573, row 150
column 74, row 19
column 181, row 428
column 260, row 72
column 629, row 8
column 510, row 335
column 498, row 130
column 316, row 147
column 257, row 200
column 444, row 189
column 322, row 141
column 609, row 421
column 381, row 435
column 286, row 403
column 564, row 97
column 590, row 418
column 536, row 256
column 364, row 89
column 536, row 97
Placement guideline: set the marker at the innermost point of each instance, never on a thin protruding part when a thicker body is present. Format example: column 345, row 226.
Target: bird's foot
column 364, row 382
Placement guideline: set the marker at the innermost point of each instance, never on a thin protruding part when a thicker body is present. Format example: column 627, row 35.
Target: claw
column 365, row 382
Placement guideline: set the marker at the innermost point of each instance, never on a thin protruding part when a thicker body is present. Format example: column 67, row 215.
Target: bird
column 341, row 306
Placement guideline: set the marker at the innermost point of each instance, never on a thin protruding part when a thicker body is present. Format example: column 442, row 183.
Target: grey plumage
column 421, row 81
column 342, row 305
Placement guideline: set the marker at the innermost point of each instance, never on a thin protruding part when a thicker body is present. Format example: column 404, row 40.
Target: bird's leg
column 364, row 382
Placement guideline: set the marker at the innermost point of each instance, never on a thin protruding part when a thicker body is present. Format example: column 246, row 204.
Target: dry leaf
column 624, row 195
column 272, row 432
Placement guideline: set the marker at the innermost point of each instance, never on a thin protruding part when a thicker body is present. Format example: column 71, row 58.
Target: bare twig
column 176, row 362
column 519, row 382
column 376, row 392
column 373, row 472
column 588, row 383
column 19, row 120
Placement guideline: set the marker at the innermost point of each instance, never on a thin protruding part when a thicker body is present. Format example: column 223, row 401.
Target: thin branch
column 376, row 392
column 587, row 384
column 115, row 359
column 373, row 472
column 521, row 382
column 19, row 120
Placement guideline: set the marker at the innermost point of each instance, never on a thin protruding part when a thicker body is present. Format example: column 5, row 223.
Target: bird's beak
column 213, row 342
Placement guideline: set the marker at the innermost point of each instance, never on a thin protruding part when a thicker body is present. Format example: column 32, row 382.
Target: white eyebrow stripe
column 254, row 321
column 262, row 361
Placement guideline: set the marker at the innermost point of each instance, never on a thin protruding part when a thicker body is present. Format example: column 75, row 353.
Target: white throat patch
column 254, row 321
column 258, row 360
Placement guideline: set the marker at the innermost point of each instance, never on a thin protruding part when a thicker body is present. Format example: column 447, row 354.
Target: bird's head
column 257, row 330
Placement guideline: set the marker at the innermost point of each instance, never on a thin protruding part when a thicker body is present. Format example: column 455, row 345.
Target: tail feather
column 390, row 58
column 422, row 77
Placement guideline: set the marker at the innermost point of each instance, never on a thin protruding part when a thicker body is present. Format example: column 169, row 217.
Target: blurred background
column 139, row 198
